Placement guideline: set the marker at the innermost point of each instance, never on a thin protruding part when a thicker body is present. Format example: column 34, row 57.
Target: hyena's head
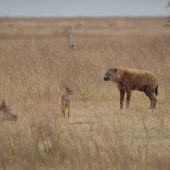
column 113, row 74
column 68, row 90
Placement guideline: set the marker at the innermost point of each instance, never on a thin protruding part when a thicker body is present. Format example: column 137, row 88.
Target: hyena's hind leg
column 153, row 101
column 151, row 94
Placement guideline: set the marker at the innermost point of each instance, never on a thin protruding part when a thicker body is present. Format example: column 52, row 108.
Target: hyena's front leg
column 128, row 96
column 122, row 94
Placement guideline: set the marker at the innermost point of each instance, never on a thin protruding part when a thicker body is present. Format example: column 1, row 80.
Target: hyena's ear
column 115, row 70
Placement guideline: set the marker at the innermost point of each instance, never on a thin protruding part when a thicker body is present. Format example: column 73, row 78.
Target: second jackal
column 7, row 113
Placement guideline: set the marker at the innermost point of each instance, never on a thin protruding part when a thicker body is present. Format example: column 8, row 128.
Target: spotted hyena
column 132, row 79
column 65, row 101
column 7, row 113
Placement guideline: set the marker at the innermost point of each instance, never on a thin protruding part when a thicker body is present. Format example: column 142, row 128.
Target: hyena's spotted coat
column 131, row 79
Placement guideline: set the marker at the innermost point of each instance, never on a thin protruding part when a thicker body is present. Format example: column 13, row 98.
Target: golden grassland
column 35, row 64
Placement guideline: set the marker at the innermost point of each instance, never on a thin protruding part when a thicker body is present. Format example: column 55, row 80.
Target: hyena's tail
column 156, row 90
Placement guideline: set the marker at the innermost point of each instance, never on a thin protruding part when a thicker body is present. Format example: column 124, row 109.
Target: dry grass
column 35, row 64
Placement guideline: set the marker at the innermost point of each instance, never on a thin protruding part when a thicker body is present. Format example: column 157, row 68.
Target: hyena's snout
column 107, row 77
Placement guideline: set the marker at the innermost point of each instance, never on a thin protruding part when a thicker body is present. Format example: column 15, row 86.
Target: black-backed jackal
column 7, row 114
column 65, row 101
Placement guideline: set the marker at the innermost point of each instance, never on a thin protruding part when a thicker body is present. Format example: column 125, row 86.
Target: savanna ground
column 35, row 64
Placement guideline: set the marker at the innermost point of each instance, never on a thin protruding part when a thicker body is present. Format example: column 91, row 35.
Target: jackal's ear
column 66, row 87
column 115, row 70
column 3, row 102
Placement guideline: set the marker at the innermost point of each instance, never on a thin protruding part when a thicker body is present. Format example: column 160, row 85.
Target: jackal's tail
column 156, row 90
